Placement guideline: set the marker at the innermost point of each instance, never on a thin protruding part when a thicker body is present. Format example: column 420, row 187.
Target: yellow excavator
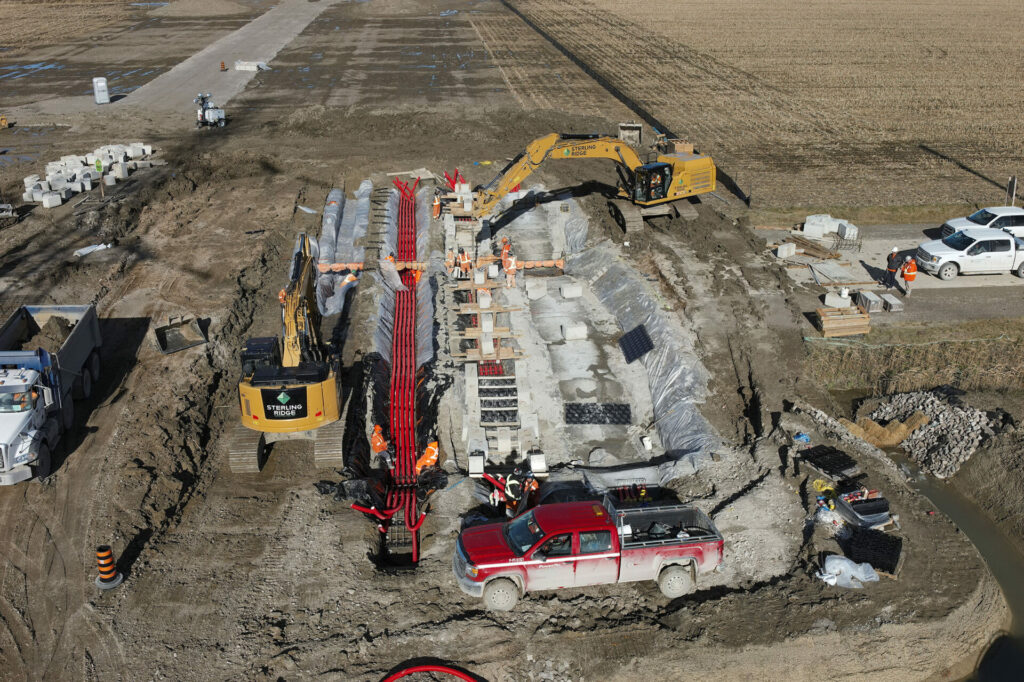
column 645, row 188
column 289, row 388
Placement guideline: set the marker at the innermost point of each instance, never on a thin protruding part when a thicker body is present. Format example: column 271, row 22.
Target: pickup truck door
column 976, row 258
column 597, row 561
column 1000, row 255
column 551, row 566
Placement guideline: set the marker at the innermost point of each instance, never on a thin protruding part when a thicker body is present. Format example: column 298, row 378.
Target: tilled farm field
column 259, row 576
column 819, row 103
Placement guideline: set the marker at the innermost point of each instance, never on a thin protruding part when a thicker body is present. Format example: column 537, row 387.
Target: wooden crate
column 843, row 321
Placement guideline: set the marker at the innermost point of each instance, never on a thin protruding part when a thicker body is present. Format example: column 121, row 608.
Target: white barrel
column 99, row 90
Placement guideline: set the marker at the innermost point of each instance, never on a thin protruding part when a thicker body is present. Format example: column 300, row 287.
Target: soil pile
column 51, row 335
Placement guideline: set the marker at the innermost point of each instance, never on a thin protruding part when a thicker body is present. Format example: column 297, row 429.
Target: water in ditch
column 1004, row 659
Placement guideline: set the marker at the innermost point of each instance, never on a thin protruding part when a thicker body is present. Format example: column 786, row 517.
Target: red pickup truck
column 576, row 544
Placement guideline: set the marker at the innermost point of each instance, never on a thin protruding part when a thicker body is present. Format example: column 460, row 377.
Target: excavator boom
column 673, row 176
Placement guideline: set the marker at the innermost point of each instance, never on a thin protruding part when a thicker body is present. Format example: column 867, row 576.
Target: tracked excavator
column 646, row 188
column 289, row 389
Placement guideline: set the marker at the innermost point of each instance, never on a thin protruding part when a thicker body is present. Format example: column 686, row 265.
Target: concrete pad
column 536, row 288
column 837, row 301
column 574, row 331
column 51, row 200
column 571, row 290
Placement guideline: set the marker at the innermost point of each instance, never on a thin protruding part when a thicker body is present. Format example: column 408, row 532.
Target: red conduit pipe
column 405, row 672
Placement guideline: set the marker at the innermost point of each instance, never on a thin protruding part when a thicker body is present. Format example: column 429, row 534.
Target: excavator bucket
column 179, row 333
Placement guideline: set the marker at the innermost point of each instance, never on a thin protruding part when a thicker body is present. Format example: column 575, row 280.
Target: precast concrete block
column 143, row 164
column 121, row 170
column 109, row 179
column 479, row 276
column 833, row 300
column 30, row 180
column 86, row 184
column 487, row 349
column 37, row 194
column 483, row 298
column 77, row 187
column 785, row 250
column 571, row 290
column 492, row 271
column 51, row 200
column 536, row 288
column 135, row 150
column 574, row 331
column 66, row 193
column 848, row 230
column 487, row 323
column 147, row 149
column 57, row 182
column 870, row 301
column 27, row 196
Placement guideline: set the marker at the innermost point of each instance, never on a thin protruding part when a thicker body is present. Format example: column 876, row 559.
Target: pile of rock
column 73, row 174
column 948, row 440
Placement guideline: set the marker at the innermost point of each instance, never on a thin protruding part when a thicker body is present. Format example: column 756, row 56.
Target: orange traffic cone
column 109, row 577
column 222, row 67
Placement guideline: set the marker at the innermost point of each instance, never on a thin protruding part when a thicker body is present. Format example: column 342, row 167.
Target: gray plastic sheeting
column 383, row 335
column 329, row 225
column 342, row 224
column 542, row 227
column 675, row 375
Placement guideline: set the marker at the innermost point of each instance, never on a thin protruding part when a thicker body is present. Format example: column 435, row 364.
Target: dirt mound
column 200, row 8
column 51, row 335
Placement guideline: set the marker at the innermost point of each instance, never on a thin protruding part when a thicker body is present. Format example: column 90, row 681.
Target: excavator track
column 327, row 446
column 246, row 451
column 627, row 215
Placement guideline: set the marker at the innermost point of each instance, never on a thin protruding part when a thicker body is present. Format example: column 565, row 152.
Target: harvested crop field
column 819, row 103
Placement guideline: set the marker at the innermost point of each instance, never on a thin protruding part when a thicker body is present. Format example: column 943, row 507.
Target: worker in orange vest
column 449, row 263
column 510, row 270
column 506, row 248
column 379, row 444
column 465, row 263
column 437, row 207
column 909, row 271
column 428, row 458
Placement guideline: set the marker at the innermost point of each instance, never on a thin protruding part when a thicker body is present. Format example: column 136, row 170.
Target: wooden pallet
column 835, row 322
column 810, row 248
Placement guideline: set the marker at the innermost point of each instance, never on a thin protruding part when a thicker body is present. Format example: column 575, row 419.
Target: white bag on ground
column 839, row 570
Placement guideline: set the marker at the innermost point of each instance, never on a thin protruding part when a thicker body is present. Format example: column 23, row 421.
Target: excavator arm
column 300, row 316
column 553, row 146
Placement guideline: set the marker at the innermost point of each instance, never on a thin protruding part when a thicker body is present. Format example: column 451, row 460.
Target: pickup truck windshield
column 523, row 533
column 981, row 217
column 958, row 241
column 15, row 402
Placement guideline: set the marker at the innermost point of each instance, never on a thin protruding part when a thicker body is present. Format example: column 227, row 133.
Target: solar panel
column 635, row 343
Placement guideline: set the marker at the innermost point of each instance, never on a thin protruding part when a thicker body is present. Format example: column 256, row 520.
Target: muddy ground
column 260, row 577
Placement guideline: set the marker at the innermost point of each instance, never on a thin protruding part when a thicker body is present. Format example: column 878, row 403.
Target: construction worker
column 465, row 263
column 379, row 444
column 449, row 263
column 511, row 265
column 506, row 248
column 892, row 264
column 909, row 271
column 519, row 485
column 428, row 458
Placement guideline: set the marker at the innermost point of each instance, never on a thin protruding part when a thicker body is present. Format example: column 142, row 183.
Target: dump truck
column 578, row 544
column 49, row 356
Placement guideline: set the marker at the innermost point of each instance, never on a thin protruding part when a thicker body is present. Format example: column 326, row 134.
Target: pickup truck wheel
column 501, row 595
column 1020, row 270
column 67, row 414
column 949, row 271
column 94, row 366
column 41, row 469
column 83, row 386
column 675, row 581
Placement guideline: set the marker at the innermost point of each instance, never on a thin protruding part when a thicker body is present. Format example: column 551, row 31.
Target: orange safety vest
column 428, row 458
column 464, row 259
column 910, row 271
column 449, row 259
column 504, row 251
column 416, row 274
column 377, row 443
column 437, row 206
column 510, row 266
column 391, row 258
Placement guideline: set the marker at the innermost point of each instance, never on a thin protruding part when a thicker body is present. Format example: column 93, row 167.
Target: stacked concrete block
column 848, row 230
column 109, row 180
column 571, row 290
column 73, row 173
column 785, row 250
column 120, row 170
column 817, row 226
column 51, row 200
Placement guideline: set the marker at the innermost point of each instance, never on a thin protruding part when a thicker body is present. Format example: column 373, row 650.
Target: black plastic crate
column 879, row 549
column 598, row 413
column 830, row 461
column 636, row 343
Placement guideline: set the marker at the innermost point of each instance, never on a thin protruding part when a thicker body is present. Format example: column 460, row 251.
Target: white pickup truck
column 972, row 251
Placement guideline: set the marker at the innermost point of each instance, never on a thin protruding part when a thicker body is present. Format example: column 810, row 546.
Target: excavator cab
column 651, row 182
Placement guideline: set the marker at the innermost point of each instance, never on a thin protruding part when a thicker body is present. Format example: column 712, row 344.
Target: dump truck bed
column 21, row 338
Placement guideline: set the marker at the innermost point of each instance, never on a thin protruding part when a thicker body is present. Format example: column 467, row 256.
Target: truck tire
column 949, row 271
column 94, row 365
column 83, row 385
column 675, row 581
column 1020, row 270
column 501, row 595
column 220, row 123
column 41, row 469
column 67, row 414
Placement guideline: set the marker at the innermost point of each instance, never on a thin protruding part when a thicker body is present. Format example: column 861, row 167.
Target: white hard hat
column 895, row 249
column 907, row 259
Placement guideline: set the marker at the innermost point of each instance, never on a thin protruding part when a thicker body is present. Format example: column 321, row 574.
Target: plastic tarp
column 329, row 224
column 676, row 377
column 842, row 572
column 543, row 225
column 382, row 337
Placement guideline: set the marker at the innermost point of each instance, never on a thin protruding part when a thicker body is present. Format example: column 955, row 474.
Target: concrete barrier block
column 27, row 196
column 77, row 187
column 109, row 180
column 479, row 277
column 37, row 194
column 571, row 290
column 536, row 288
column 51, row 200
column 574, row 331
column 848, row 230
column 121, row 170
column 86, row 184
column 30, row 180
column 147, row 149
column 786, row 250
column 492, row 271
column 487, row 323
